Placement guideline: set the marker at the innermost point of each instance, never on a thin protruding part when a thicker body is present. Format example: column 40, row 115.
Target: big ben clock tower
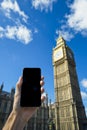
column 69, row 109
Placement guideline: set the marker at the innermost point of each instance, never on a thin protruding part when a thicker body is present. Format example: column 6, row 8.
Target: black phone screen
column 31, row 89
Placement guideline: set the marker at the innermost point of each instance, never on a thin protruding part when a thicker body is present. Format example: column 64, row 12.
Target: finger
column 43, row 98
column 18, row 86
column 19, row 83
column 41, row 82
column 42, row 77
column 42, row 90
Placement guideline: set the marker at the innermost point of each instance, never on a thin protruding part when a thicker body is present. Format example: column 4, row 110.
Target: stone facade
column 40, row 120
column 51, row 116
column 6, row 101
column 69, row 109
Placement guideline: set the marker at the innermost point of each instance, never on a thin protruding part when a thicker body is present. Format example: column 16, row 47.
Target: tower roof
column 60, row 40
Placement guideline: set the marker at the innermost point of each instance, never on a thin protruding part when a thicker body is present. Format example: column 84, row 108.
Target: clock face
column 58, row 54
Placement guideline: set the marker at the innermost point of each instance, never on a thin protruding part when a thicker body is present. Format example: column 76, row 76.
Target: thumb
column 16, row 104
column 18, row 86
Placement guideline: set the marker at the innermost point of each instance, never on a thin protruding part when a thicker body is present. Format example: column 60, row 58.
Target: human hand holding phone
column 16, row 105
column 25, row 112
column 20, row 115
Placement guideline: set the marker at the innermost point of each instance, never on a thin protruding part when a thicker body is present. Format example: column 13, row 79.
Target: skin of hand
column 26, row 112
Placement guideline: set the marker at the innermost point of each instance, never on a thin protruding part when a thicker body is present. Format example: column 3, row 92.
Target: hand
column 26, row 112
column 20, row 115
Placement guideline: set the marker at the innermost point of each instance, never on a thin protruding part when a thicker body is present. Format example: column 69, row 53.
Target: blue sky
column 28, row 33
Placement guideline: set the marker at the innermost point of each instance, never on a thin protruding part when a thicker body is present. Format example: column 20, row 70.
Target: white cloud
column 8, row 6
column 65, row 34
column 84, row 83
column 17, row 32
column 24, row 34
column 76, row 20
column 84, row 95
column 10, row 32
column 43, row 4
column 20, row 33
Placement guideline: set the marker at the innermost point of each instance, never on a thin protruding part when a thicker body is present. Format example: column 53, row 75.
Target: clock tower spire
column 69, row 109
column 60, row 40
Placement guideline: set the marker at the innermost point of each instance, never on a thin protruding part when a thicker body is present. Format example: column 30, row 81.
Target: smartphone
column 31, row 88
